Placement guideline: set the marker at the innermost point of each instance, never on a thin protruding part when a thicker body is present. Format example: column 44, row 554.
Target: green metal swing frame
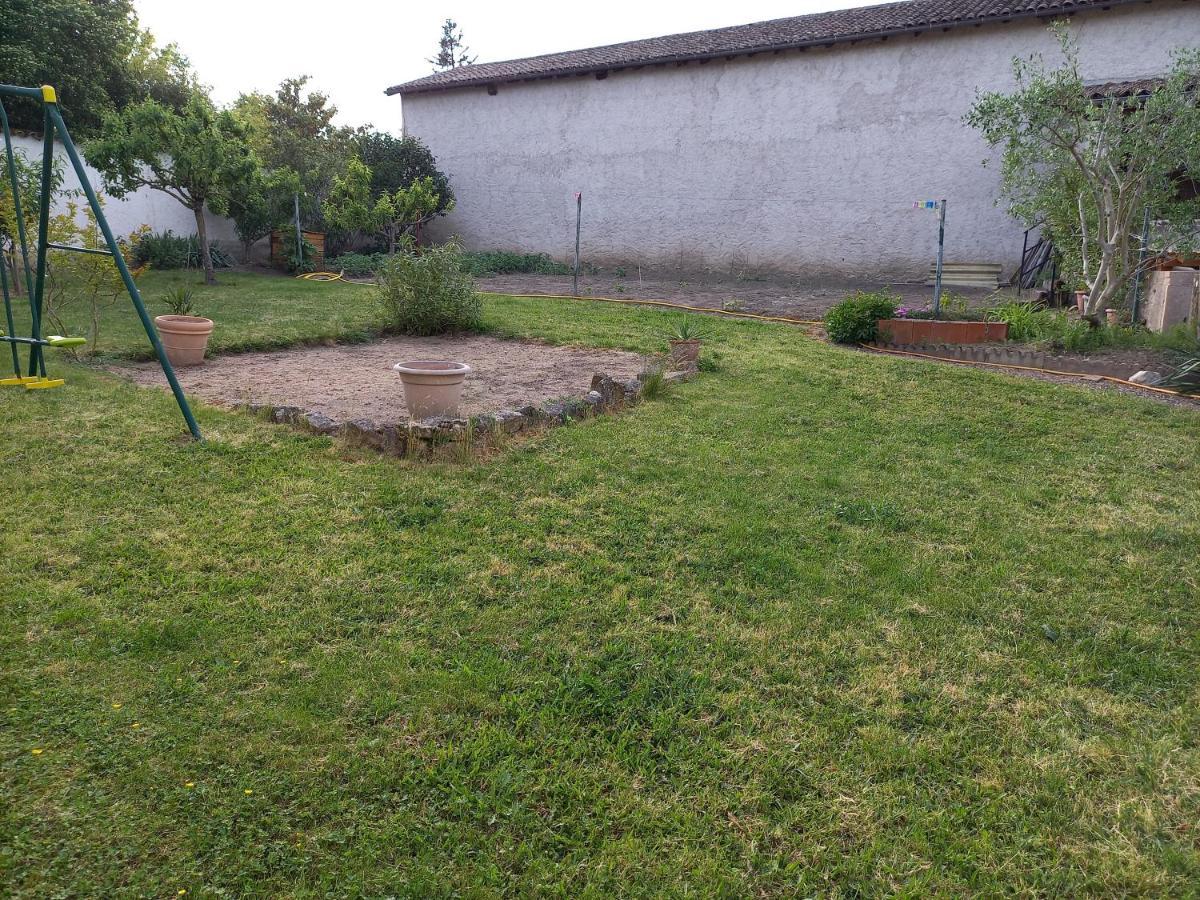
column 35, row 276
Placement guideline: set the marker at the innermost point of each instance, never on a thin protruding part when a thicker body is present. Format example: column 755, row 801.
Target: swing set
column 32, row 377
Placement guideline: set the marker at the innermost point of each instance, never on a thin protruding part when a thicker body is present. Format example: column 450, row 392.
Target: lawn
column 820, row 623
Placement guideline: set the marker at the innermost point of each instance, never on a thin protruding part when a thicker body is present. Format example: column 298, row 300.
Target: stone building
column 796, row 145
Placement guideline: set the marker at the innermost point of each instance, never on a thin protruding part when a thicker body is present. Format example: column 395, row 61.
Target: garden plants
column 428, row 292
column 855, row 320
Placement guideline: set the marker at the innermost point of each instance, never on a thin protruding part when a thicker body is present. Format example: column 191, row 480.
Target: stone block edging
column 432, row 438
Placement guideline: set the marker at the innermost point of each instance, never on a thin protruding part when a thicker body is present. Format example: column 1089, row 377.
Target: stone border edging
column 430, row 438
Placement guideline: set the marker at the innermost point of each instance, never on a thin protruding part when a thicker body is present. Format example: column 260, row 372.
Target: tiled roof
column 827, row 28
column 1112, row 89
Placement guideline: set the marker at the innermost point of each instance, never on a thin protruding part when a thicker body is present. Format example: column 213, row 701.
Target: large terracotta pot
column 185, row 338
column 940, row 331
column 432, row 387
column 685, row 355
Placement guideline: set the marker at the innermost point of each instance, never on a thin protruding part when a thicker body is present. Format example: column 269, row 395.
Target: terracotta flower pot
column 432, row 387
column 185, row 338
column 685, row 355
column 1081, row 300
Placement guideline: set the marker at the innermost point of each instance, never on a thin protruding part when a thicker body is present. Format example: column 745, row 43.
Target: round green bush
column 855, row 319
column 428, row 292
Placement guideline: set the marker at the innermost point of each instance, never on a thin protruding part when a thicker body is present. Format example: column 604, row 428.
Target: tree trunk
column 202, row 239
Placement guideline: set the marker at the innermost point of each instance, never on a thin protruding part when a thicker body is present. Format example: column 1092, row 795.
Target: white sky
column 356, row 48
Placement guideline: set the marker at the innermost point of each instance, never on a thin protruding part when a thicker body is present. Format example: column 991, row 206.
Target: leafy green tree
column 198, row 155
column 93, row 52
column 397, row 162
column 451, row 50
column 391, row 215
column 1089, row 166
column 293, row 131
column 264, row 204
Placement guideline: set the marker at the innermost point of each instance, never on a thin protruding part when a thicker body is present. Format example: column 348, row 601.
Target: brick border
column 442, row 437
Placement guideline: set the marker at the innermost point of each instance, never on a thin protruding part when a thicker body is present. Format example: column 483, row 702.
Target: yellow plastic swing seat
column 43, row 384
column 19, row 380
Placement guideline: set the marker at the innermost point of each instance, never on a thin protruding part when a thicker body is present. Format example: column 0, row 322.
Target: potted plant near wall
column 184, row 334
column 685, row 338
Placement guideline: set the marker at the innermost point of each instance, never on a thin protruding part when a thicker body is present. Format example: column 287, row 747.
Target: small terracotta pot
column 432, row 387
column 1111, row 316
column 685, row 355
column 185, row 338
column 1081, row 299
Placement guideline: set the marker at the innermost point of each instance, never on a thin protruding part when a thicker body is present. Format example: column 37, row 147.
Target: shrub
column 1185, row 378
column 429, row 292
column 855, row 319
column 166, row 250
column 357, row 265
column 502, row 262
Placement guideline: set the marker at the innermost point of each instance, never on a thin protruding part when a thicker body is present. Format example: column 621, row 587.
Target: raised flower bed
column 937, row 331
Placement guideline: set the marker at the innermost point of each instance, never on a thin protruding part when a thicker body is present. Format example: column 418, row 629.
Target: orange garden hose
column 634, row 301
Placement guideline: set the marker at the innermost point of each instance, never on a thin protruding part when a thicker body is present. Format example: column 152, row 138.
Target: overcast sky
column 353, row 49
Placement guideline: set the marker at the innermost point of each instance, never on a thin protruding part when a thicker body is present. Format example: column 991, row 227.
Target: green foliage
column 503, row 262
column 29, row 182
column 687, row 328
column 93, row 53
column 166, row 250
column 351, row 207
column 1185, row 377
column 1055, row 329
column 398, row 162
column 180, row 300
column 428, row 292
column 81, row 288
column 357, row 265
column 293, row 134
column 197, row 155
column 655, row 385
column 1088, row 167
column 855, row 319
column 300, row 258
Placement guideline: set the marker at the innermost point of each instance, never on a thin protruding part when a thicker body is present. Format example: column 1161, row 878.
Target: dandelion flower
column 136, row 725
column 190, row 784
column 248, row 792
column 116, row 706
column 182, row 891
column 36, row 751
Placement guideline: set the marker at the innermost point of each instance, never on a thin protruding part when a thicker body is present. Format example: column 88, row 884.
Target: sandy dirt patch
column 356, row 381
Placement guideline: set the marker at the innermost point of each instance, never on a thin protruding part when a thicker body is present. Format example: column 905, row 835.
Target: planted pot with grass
column 685, row 338
column 183, row 333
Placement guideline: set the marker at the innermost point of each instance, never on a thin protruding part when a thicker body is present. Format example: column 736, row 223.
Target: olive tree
column 1088, row 162
column 198, row 155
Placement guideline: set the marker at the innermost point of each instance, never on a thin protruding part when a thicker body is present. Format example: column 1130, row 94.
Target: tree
column 1088, row 165
column 93, row 52
column 451, row 51
column 263, row 204
column 398, row 162
column 391, row 215
column 293, row 131
column 198, row 155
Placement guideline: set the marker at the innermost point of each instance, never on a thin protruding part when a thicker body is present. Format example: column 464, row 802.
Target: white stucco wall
column 144, row 207
column 801, row 162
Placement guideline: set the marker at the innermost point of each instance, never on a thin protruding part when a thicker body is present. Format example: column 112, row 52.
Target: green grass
column 819, row 623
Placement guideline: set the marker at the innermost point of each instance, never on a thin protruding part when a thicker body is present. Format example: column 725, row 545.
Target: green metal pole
column 114, row 248
column 37, row 362
column 16, row 189
column 8, row 316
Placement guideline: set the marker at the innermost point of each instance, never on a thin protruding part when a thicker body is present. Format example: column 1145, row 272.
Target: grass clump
column 357, row 265
column 855, row 319
column 429, row 292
